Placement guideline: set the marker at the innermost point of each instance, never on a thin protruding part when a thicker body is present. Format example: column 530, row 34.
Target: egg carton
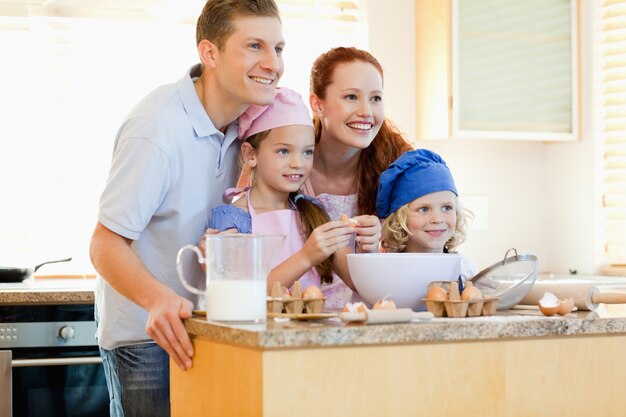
column 278, row 302
column 455, row 307
column 462, row 308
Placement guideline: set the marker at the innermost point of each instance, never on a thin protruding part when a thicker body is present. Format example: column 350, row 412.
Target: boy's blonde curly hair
column 395, row 231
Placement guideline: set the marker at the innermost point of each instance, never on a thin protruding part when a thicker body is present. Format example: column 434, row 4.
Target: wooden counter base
column 564, row 376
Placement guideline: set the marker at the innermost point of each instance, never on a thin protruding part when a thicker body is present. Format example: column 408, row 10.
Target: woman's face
column 431, row 221
column 352, row 111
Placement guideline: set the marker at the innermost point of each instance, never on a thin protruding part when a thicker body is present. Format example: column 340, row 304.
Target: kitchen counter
column 516, row 363
column 516, row 323
column 48, row 291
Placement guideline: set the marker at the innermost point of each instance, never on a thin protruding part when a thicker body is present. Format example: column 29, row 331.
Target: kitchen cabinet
column 516, row 363
column 497, row 69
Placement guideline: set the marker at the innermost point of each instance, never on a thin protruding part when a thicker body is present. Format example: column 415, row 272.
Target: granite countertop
column 521, row 322
column 516, row 323
column 48, row 291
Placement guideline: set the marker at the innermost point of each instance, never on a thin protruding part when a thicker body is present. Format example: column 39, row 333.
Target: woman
column 354, row 143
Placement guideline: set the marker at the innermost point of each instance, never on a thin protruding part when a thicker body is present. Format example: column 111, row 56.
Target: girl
column 279, row 150
column 354, row 143
column 419, row 200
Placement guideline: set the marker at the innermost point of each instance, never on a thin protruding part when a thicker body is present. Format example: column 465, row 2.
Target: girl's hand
column 368, row 233
column 202, row 243
column 325, row 240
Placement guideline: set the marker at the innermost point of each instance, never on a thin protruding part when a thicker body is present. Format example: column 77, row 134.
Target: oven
column 50, row 363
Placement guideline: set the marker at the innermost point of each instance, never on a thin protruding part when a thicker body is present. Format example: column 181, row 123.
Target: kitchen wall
column 538, row 197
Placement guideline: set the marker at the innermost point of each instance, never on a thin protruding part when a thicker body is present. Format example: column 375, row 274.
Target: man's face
column 250, row 64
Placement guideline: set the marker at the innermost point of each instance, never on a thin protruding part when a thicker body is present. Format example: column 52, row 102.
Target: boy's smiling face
column 431, row 221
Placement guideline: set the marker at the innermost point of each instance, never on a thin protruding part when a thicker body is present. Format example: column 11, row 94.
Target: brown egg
column 437, row 294
column 471, row 293
column 312, row 292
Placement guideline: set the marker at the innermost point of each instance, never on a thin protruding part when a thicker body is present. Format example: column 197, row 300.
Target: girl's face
column 432, row 222
column 352, row 111
column 283, row 159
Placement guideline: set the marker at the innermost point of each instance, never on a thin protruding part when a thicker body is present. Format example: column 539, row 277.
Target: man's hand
column 165, row 326
column 113, row 258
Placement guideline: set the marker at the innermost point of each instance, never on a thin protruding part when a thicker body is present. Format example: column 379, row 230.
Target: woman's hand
column 368, row 233
column 325, row 240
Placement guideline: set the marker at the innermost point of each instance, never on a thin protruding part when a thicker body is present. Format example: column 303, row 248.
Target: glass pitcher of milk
column 237, row 266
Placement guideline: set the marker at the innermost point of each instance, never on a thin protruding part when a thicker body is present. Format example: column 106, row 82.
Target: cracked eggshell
column 549, row 304
column 567, row 306
column 385, row 304
column 358, row 307
column 351, row 222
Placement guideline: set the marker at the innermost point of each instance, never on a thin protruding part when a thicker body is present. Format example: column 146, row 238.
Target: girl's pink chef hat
column 287, row 109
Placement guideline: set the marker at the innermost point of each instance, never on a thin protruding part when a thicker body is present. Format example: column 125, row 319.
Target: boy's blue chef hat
column 412, row 175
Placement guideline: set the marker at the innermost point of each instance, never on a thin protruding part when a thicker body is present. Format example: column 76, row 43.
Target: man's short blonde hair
column 215, row 23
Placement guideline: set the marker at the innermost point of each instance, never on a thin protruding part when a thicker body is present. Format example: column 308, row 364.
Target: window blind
column 515, row 67
column 71, row 72
column 611, row 43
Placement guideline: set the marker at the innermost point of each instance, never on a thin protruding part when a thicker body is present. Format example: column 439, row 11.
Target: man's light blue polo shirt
column 170, row 167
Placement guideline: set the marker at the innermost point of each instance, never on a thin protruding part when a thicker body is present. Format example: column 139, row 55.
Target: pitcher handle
column 179, row 267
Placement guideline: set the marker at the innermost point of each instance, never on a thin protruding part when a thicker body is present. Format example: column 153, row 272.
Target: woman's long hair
column 388, row 144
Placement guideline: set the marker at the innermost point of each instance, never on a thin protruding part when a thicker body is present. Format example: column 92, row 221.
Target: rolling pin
column 400, row 315
column 586, row 297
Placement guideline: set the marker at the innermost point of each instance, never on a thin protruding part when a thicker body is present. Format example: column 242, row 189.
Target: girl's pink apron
column 283, row 222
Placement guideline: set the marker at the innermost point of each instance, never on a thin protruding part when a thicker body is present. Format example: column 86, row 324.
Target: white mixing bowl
column 402, row 276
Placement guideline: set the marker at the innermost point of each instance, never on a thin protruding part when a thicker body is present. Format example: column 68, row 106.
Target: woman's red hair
column 388, row 144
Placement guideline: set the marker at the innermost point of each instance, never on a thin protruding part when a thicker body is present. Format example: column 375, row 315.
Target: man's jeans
column 138, row 380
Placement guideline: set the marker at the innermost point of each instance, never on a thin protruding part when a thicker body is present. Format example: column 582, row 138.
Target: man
column 174, row 156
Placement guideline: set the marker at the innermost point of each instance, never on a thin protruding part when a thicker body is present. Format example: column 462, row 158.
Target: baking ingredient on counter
column 312, row 292
column 437, row 294
column 236, row 300
column 358, row 307
column 585, row 296
column 567, row 306
column 281, row 301
column 471, row 293
column 383, row 316
column 549, row 304
column 443, row 300
column 385, row 304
